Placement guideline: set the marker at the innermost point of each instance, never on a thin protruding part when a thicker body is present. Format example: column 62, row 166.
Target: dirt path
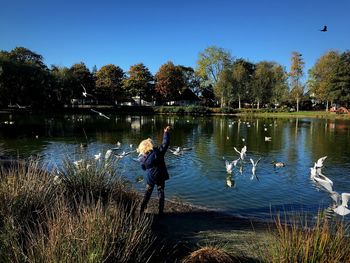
column 188, row 228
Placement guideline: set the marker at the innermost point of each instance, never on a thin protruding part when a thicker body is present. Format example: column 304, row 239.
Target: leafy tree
column 26, row 56
column 191, row 79
column 210, row 64
column 269, row 83
column 81, row 76
column 242, row 72
column 262, row 82
column 223, row 88
column 23, row 82
column 280, row 85
column 62, row 81
column 343, row 78
column 109, row 81
column 139, row 82
column 322, row 78
column 169, row 81
column 295, row 74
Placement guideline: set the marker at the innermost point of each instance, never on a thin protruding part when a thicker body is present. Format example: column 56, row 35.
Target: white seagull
column 254, row 165
column 343, row 209
column 78, row 163
column 21, row 107
column 97, row 156
column 123, row 154
column 229, row 166
column 108, row 154
column 241, row 153
column 177, row 151
column 100, row 113
column 319, row 164
column 85, row 94
column 324, row 181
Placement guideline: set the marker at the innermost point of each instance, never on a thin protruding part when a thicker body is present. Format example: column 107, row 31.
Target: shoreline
column 188, row 227
column 182, row 111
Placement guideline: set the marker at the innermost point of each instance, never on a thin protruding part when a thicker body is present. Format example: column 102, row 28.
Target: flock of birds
column 340, row 200
column 340, row 205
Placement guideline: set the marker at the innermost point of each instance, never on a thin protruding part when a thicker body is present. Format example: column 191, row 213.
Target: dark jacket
column 154, row 163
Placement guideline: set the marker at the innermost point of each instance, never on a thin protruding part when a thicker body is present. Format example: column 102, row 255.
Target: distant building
column 124, row 101
column 185, row 98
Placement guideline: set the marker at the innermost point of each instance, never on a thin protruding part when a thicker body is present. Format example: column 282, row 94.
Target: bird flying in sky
column 324, row 29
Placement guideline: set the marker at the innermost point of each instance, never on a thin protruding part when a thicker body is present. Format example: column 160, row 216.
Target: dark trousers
column 147, row 196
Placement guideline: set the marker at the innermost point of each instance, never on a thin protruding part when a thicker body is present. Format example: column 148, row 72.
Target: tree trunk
column 327, row 105
column 239, row 102
column 297, row 104
column 258, row 104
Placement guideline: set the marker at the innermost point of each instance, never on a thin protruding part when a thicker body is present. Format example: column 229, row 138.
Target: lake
column 198, row 175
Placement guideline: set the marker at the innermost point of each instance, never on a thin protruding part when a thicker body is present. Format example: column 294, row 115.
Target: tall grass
column 78, row 215
column 95, row 180
column 94, row 233
column 325, row 240
column 27, row 193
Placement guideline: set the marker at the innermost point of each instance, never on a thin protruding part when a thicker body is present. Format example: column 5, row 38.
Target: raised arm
column 166, row 139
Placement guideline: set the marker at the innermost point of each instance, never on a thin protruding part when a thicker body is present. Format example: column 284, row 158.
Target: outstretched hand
column 167, row 128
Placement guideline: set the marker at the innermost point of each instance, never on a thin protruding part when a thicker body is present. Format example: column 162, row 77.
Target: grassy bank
column 85, row 212
column 195, row 110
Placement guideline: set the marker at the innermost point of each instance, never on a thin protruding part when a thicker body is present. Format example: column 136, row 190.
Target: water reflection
column 199, row 175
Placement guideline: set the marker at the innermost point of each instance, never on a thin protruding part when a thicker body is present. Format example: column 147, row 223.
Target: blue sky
column 153, row 32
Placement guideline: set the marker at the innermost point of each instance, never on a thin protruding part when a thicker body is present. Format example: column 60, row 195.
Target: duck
column 278, row 164
column 229, row 181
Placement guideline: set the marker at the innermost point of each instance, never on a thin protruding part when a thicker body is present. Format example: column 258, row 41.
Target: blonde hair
column 145, row 146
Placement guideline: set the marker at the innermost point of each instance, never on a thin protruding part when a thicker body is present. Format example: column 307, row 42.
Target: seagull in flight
column 177, row 151
column 254, row 165
column 123, row 154
column 100, row 113
column 316, row 169
column 229, row 166
column 21, row 107
column 85, row 94
column 342, row 209
column 241, row 153
column 325, row 29
column 320, row 161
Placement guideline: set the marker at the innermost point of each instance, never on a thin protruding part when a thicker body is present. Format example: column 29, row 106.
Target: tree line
column 219, row 79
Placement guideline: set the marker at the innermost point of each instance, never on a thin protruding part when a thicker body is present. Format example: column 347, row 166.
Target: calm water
column 199, row 175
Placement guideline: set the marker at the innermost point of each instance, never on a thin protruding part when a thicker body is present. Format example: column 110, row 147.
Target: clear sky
column 153, row 32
